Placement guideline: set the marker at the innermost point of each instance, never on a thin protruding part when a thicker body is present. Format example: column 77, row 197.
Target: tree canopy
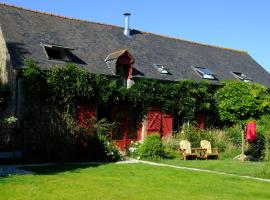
column 239, row 101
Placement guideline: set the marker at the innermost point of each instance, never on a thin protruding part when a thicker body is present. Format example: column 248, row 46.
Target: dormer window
column 121, row 63
column 161, row 69
column 241, row 77
column 205, row 73
column 60, row 53
column 57, row 53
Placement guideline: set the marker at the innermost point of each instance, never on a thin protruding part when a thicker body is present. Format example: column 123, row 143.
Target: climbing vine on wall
column 66, row 86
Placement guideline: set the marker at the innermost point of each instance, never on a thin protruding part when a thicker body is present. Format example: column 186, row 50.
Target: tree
column 238, row 101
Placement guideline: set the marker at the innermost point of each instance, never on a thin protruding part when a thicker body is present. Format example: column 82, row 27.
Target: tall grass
column 227, row 140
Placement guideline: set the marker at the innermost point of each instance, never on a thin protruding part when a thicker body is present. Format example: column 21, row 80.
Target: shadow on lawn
column 60, row 168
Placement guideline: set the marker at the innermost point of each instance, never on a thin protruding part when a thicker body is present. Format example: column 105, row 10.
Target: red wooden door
column 127, row 127
column 159, row 122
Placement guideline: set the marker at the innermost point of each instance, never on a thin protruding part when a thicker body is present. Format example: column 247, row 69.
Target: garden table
column 201, row 152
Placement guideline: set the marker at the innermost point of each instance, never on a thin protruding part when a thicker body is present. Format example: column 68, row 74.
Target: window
column 161, row 69
column 57, row 52
column 241, row 77
column 205, row 73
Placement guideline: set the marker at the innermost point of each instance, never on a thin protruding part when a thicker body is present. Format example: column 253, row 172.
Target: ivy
column 66, row 86
column 183, row 98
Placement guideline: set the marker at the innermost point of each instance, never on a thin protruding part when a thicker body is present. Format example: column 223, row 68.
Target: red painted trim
column 130, row 72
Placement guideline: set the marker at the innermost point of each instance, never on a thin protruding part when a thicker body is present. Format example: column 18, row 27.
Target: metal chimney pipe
column 126, row 30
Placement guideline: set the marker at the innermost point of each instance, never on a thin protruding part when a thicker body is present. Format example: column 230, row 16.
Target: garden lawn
column 127, row 181
column 254, row 169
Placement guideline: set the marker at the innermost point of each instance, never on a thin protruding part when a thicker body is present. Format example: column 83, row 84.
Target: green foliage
column 234, row 134
column 103, row 129
column 152, row 147
column 134, row 148
column 238, row 101
column 35, row 81
column 194, row 135
column 183, row 98
column 67, row 85
column 263, row 130
column 171, row 145
column 4, row 96
column 228, row 141
column 10, row 120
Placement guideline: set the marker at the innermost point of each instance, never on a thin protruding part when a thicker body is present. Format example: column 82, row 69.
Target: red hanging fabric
column 251, row 131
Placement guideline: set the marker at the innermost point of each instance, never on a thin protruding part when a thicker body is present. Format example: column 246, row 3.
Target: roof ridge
column 56, row 15
column 115, row 26
column 198, row 43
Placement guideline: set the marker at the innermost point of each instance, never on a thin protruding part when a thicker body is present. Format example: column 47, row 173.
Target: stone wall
column 4, row 57
column 7, row 78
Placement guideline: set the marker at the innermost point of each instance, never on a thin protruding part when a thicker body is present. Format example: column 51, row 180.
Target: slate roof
column 25, row 32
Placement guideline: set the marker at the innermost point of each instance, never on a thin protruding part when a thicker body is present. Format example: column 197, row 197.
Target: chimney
column 126, row 30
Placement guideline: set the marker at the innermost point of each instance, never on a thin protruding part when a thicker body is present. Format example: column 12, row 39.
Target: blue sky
column 237, row 24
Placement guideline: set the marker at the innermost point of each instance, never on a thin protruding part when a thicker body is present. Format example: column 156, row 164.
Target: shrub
column 234, row 134
column 228, row 141
column 194, row 135
column 263, row 131
column 152, row 147
column 99, row 144
column 171, row 145
column 134, row 148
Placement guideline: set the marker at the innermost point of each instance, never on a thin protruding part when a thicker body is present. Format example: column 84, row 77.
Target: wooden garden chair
column 186, row 151
column 210, row 152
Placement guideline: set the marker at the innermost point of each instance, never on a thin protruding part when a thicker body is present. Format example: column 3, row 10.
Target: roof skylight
column 57, row 53
column 161, row 69
column 241, row 77
column 61, row 53
column 205, row 73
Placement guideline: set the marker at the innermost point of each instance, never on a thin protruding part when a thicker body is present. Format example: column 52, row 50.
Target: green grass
column 254, row 169
column 129, row 181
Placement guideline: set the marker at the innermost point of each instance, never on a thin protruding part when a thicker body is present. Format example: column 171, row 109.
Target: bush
column 171, row 145
column 228, row 141
column 234, row 134
column 152, row 147
column 263, row 131
column 103, row 128
column 133, row 150
column 194, row 135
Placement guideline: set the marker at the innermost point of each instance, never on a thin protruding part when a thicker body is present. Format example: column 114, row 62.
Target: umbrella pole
column 242, row 156
column 243, row 144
